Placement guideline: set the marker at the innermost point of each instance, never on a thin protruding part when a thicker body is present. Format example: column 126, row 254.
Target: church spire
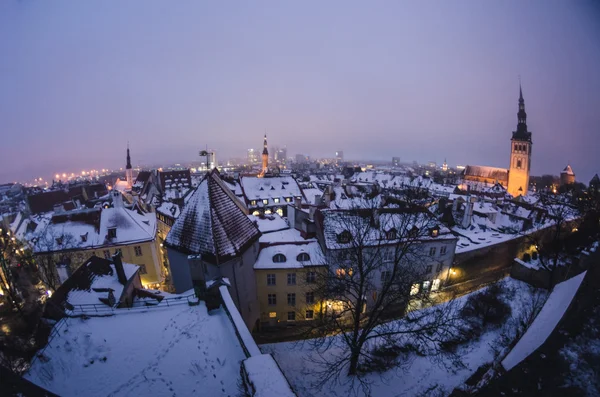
column 521, row 133
column 128, row 166
column 265, row 150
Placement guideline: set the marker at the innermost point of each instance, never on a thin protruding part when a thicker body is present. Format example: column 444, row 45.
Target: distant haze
column 420, row 80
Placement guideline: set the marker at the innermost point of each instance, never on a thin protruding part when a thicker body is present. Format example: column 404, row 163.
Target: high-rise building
column 265, row 158
column 520, row 155
column 339, row 156
column 252, row 156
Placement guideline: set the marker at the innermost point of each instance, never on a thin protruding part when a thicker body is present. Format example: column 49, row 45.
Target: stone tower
column 265, row 158
column 129, row 170
column 520, row 154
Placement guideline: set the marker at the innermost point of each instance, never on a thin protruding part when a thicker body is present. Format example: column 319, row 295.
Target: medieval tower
column 520, row 154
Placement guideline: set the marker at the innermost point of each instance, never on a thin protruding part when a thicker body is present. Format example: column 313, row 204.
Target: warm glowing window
column 276, row 200
column 253, row 202
column 436, row 284
column 265, row 201
column 414, row 289
column 272, row 314
column 256, row 213
column 268, row 212
column 279, row 211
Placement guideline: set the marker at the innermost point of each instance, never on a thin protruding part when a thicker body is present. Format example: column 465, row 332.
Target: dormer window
column 276, row 200
column 112, row 232
column 391, row 234
column 272, row 187
column 288, row 199
column 84, row 238
column 303, row 257
column 253, row 202
column 414, row 232
column 265, row 201
column 279, row 258
column 59, row 240
column 344, row 237
column 435, row 232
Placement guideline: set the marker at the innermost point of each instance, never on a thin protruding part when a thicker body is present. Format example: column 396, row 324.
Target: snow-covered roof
column 170, row 209
column 283, row 236
column 568, row 170
column 269, row 223
column 212, row 222
column 554, row 309
column 280, row 187
column 266, row 377
column 291, row 252
column 160, row 351
column 311, row 193
column 100, row 282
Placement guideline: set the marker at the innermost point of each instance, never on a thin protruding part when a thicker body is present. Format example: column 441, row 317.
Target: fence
column 105, row 310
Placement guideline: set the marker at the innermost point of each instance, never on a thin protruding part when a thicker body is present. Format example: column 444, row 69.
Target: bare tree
column 52, row 250
column 378, row 258
column 550, row 242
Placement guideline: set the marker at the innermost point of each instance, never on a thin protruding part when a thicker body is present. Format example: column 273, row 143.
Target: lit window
column 270, row 279
column 268, row 212
column 310, row 314
column 279, row 211
column 276, row 200
column 435, row 232
column 279, row 258
column 253, row 202
column 291, row 279
column 291, row 299
column 426, row 285
column 138, row 250
column 303, row 257
column 272, row 298
column 311, row 277
column 436, row 284
column 272, row 314
column 310, row 298
column 414, row 289
column 265, row 201
column 291, row 316
column 256, row 213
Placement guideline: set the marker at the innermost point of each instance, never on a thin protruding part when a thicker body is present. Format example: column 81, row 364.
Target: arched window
column 303, row 257
column 344, row 237
column 519, row 164
column 279, row 258
column 391, row 234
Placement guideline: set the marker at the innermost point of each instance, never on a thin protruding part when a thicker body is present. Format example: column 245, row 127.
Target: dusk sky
column 420, row 80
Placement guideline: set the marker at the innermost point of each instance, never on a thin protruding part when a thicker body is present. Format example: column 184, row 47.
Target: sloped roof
column 212, row 222
column 568, row 170
column 500, row 174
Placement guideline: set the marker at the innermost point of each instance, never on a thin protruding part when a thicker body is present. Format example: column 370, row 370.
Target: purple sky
column 419, row 80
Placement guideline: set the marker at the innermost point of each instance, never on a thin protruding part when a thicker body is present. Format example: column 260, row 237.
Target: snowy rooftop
column 283, row 236
column 176, row 350
column 212, row 222
column 269, row 223
column 266, row 377
column 292, row 253
column 280, row 187
column 170, row 209
column 99, row 282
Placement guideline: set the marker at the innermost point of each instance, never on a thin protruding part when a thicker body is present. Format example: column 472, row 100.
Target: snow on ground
column 558, row 302
column 179, row 350
column 299, row 362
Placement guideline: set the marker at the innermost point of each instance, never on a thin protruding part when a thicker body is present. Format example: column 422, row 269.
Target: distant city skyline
column 421, row 81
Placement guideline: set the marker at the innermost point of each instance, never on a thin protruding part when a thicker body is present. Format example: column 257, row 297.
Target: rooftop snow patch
column 554, row 309
column 164, row 351
column 266, row 378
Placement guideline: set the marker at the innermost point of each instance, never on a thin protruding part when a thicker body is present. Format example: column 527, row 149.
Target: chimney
column 298, row 203
column 311, row 212
column 468, row 215
column 117, row 199
column 119, row 267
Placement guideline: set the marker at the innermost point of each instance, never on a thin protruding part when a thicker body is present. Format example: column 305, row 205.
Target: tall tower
column 129, row 170
column 520, row 153
column 265, row 157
